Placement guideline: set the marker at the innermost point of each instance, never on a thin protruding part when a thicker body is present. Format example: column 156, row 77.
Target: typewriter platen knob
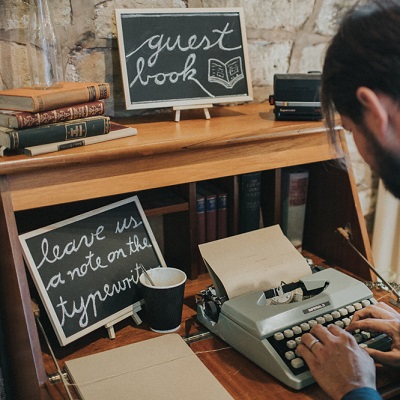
column 211, row 310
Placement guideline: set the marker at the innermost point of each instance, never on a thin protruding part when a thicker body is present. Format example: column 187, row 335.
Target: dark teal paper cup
column 164, row 301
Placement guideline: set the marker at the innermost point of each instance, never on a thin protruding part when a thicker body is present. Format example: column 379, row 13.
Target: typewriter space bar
column 381, row 342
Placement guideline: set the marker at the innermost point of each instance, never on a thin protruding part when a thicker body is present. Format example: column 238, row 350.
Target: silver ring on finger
column 313, row 342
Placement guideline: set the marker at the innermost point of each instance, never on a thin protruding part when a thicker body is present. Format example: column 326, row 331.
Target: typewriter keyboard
column 286, row 341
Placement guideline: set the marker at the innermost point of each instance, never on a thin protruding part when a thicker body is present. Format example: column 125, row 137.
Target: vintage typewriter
column 266, row 326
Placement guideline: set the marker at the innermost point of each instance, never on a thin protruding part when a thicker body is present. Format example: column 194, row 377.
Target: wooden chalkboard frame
column 81, row 246
column 179, row 88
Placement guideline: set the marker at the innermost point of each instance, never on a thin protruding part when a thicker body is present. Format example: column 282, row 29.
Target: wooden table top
column 240, row 376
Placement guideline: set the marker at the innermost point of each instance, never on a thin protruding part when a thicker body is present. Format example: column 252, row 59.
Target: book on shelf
column 61, row 95
column 201, row 228
column 222, row 214
column 201, row 217
column 249, row 202
column 221, row 206
column 117, row 131
column 293, row 206
column 81, row 128
column 24, row 119
column 212, row 224
column 211, row 212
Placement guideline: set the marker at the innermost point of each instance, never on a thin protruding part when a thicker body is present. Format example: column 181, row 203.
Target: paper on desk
column 256, row 260
column 159, row 368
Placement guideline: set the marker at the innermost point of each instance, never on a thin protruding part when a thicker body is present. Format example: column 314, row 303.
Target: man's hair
column 364, row 52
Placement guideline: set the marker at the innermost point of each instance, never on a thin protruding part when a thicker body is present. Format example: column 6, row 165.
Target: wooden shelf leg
column 24, row 359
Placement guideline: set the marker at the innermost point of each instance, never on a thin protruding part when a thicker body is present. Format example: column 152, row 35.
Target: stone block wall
column 283, row 36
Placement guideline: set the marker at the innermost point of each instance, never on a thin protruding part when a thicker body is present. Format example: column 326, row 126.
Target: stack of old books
column 70, row 114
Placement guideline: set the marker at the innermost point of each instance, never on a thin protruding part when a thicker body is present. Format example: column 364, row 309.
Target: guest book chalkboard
column 179, row 57
column 86, row 268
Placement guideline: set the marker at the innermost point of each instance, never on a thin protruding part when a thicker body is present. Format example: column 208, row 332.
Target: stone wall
column 283, row 36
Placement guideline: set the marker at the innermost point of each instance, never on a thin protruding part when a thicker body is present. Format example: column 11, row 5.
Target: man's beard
column 387, row 164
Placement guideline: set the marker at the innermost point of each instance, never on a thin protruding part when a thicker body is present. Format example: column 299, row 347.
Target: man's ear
column 375, row 113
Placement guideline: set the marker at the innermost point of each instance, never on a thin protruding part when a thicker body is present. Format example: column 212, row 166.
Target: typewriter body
column 266, row 327
column 253, row 324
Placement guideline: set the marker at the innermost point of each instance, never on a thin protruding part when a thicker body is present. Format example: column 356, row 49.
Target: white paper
column 256, row 260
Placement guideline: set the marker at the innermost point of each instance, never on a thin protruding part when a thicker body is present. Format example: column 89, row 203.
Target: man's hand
column 336, row 361
column 383, row 319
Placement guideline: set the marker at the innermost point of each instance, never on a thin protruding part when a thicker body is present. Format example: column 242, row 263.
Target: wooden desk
column 234, row 141
column 241, row 377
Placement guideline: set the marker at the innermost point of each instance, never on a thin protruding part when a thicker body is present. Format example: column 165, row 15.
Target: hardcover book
column 201, row 217
column 222, row 214
column 294, row 200
column 221, row 206
column 117, row 131
column 201, row 228
column 61, row 95
column 24, row 119
column 211, row 213
column 249, row 202
column 85, row 127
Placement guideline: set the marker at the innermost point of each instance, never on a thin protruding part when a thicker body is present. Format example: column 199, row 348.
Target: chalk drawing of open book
column 226, row 74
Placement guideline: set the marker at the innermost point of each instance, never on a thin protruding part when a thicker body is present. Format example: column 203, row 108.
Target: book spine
column 211, row 217
column 201, row 218
column 201, row 228
column 52, row 100
column 294, row 199
column 211, row 210
column 52, row 133
column 83, row 110
column 249, row 202
column 222, row 215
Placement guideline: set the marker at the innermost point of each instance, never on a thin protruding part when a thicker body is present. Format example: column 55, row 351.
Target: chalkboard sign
column 179, row 57
column 86, row 268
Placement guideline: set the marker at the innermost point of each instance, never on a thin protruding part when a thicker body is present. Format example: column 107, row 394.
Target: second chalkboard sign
column 181, row 57
column 86, row 268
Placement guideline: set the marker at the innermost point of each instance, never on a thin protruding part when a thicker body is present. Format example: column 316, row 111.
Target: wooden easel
column 178, row 109
column 133, row 313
